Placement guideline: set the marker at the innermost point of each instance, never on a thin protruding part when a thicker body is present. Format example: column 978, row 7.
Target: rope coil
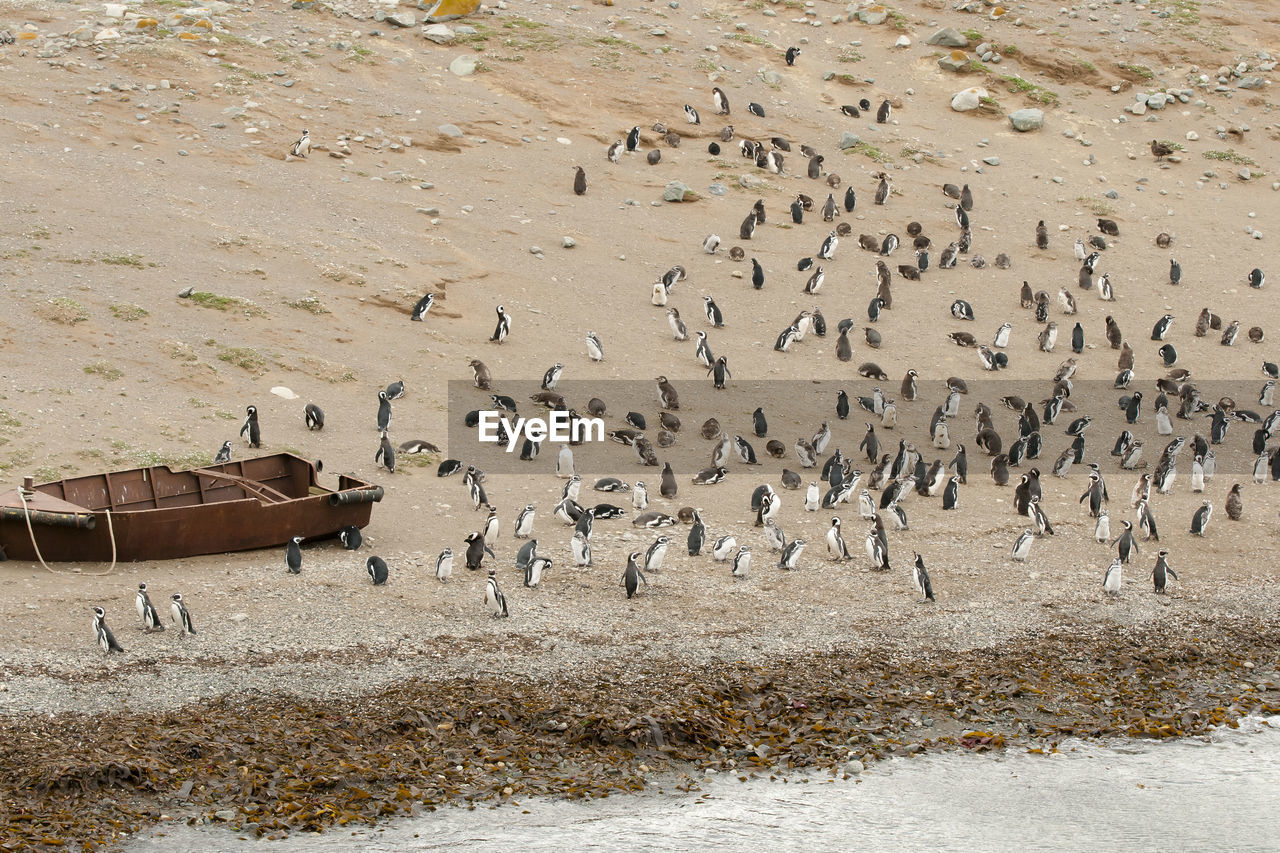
column 26, row 510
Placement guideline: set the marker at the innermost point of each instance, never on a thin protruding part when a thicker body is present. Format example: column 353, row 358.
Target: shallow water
column 1219, row 793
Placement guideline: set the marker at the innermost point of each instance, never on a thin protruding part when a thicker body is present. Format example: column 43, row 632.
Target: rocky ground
column 148, row 147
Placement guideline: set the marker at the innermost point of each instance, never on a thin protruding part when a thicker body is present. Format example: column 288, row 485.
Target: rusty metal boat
column 156, row 513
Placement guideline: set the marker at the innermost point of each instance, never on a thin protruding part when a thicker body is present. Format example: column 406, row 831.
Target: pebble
column 677, row 191
column 1027, row 120
column 450, row 130
column 568, row 242
column 991, row 161
column 463, row 66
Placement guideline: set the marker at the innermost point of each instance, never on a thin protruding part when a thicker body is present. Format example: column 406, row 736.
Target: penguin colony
column 1029, row 328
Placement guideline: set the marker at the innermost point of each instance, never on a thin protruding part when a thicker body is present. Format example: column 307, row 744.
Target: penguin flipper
column 1171, row 573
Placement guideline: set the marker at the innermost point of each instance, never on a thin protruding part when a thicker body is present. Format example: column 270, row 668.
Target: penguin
column 828, row 249
column 147, row 612
column 1022, row 545
column 250, row 430
column 719, row 372
column 585, row 523
column 386, row 454
column 480, row 374
column 1125, row 543
column 920, row 577
column 1161, row 573
column 1235, row 508
column 877, row 551
column 1112, row 580
column 476, row 549
column 1175, row 272
column 791, row 554
column 742, row 562
column 421, row 307
column 667, row 396
column 384, row 411
column 1200, row 520
column 302, row 147
column 951, row 496
column 668, row 486
column 720, row 101
column 224, row 454
column 564, row 462
column 639, row 497
column 960, row 464
column 711, row 243
column 714, row 315
column 836, row 547
column 534, row 570
column 180, row 616
column 614, row 151
column 811, row 498
column 678, row 329
column 1168, row 355
column 350, row 537
column 523, row 525
column 595, row 349
column 632, row 577
column 494, row 600
column 377, row 569
column 444, row 565
column 882, row 114
column 293, row 555
column 792, row 53
column 757, row 274
column 503, row 327
column 697, row 535
column 1042, row 236
column 580, row 546
column 882, row 191
column 633, row 139
column 102, row 634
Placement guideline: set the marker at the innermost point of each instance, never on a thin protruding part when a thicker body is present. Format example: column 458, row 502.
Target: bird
column 313, row 417
column 102, row 634
column 386, row 454
column 384, row 411
column 691, row 115
column 791, row 554
column 293, row 555
column 792, row 53
column 1161, row 573
column 1200, row 520
column 250, row 431
column 1175, row 271
column 147, row 611
column 920, row 577
column 1161, row 150
column 742, row 562
column 224, row 454
column 579, row 181
column 494, row 600
column 1042, row 235
column 523, row 527
column 720, row 100
column 180, row 615
column 1235, row 509
column 302, row 147
column 377, row 569
column 837, row 549
column 421, row 307
column 1113, row 578
column 595, row 349
column 1022, row 545
column 503, row 327
column 632, row 577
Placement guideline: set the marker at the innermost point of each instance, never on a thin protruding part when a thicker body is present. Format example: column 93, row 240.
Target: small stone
column 1027, row 120
column 769, row 77
column 968, row 99
column 873, row 15
column 956, row 60
column 1158, row 101
column 451, row 130
column 535, row 250
column 657, row 32
column 568, row 242
column 854, row 767
column 848, row 139
column 948, row 37
column 463, row 66
column 1192, row 136
column 717, row 189
column 404, row 20
column 991, row 161
column 902, row 41
column 438, row 33
column 678, row 191
column 1251, row 83
column 1245, row 174
column 225, row 814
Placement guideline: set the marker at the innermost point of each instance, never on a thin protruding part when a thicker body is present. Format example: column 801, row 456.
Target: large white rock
column 968, row 99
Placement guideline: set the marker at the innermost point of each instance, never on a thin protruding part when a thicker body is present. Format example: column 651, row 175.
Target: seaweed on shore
column 271, row 765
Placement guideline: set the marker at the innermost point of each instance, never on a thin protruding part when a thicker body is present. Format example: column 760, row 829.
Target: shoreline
column 267, row 765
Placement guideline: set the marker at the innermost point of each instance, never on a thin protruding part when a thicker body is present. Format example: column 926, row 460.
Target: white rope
column 32, row 533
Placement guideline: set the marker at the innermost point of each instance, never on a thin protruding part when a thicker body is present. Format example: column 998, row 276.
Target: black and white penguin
column 102, row 634
column 792, row 53
column 614, row 152
column 1200, row 520
column 250, row 430
column 524, row 522
column 386, row 455
column 632, row 577
column 580, row 547
column 527, row 552
column 882, row 114
column 633, row 139
column 384, row 411
column 1125, row 544
column 1042, row 235
column 691, row 115
column 476, row 549
column 920, row 577
column 494, row 600
column 757, row 274
column 444, row 565
column 377, row 569
column 351, row 538
column 1114, row 577
column 595, row 349
column 836, row 548
column 828, row 249
column 791, row 554
column 877, row 550
column 421, row 307
column 302, row 147
column 1161, row 573
column 882, row 191
column 449, row 467
column 1168, row 354
column 293, row 555
column 503, row 328
column 951, row 496
column 180, row 616
column 1175, row 271
column 147, row 612
column 720, row 101
column 1022, row 545
column 697, row 535
column 224, row 454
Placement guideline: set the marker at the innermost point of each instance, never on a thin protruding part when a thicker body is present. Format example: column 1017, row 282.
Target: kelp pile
column 274, row 765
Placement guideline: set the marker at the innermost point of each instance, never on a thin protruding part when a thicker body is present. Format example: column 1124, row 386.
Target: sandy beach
column 151, row 158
